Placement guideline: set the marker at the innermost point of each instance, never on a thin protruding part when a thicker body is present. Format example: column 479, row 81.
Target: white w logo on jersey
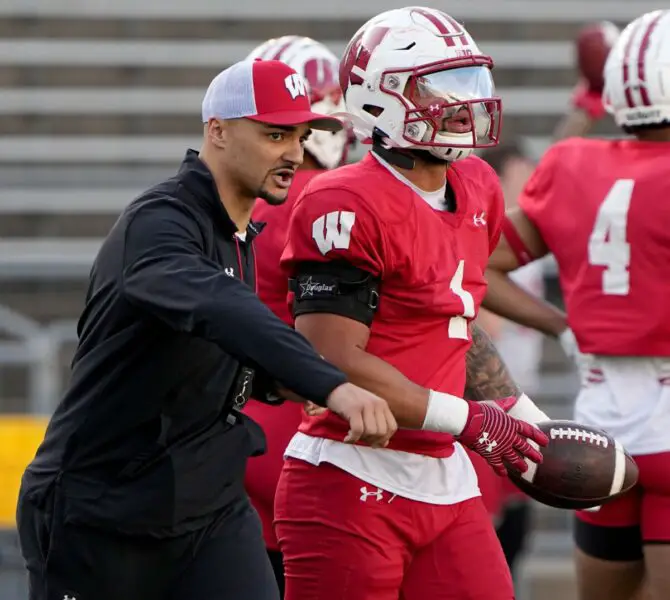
column 333, row 230
column 295, row 85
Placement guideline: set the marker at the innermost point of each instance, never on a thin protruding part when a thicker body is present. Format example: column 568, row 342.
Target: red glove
column 499, row 438
column 588, row 100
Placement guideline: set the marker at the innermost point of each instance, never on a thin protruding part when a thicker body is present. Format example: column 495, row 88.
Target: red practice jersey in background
column 272, row 282
column 603, row 209
column 431, row 263
column 278, row 422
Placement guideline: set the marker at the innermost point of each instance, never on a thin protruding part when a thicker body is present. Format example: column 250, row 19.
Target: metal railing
column 36, row 347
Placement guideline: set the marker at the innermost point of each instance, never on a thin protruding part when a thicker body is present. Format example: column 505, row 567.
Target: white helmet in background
column 415, row 77
column 319, row 67
column 637, row 72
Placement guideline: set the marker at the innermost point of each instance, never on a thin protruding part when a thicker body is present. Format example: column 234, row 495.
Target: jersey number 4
column 607, row 245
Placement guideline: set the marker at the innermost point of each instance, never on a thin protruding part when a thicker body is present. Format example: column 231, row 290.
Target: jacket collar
column 196, row 177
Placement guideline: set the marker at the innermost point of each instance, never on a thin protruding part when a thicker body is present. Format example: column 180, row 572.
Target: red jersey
column 280, row 423
column 272, row 283
column 602, row 208
column 431, row 264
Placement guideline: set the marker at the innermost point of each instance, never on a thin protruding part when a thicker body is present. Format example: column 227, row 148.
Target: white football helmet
column 637, row 72
column 416, row 77
column 318, row 66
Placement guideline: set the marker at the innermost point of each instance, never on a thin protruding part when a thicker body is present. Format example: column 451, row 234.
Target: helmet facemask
column 448, row 111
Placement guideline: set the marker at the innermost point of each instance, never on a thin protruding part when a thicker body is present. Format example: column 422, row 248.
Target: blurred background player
column 319, row 68
column 599, row 206
column 592, row 45
column 521, row 349
column 388, row 256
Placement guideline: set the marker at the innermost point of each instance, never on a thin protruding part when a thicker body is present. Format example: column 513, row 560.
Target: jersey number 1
column 607, row 245
column 458, row 326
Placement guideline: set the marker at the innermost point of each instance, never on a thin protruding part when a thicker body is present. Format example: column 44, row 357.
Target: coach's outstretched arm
column 167, row 274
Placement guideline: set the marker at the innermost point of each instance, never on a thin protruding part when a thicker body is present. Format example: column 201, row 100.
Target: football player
column 521, row 349
column 600, row 207
column 387, row 258
column 319, row 68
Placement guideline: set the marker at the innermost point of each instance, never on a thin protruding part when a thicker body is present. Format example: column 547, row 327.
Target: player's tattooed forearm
column 486, row 376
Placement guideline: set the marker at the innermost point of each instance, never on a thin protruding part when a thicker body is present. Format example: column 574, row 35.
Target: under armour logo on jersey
column 229, row 271
column 379, row 494
column 489, row 443
column 333, row 231
column 295, row 85
column 479, row 220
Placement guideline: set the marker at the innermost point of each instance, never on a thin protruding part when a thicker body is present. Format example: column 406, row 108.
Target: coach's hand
column 370, row 418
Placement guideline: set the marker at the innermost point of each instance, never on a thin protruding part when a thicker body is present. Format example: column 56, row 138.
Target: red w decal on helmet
column 357, row 55
column 321, row 77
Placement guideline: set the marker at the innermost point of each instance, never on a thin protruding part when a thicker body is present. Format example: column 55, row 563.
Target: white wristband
column 526, row 410
column 446, row 413
column 568, row 343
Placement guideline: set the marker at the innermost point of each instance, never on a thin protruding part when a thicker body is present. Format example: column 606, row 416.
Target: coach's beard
column 282, row 179
column 271, row 199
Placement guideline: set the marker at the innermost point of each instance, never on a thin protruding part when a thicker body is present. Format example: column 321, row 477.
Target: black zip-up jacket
column 142, row 441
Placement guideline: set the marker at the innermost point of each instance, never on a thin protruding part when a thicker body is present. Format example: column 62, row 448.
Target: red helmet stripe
column 457, row 27
column 641, row 58
column 626, row 61
column 450, row 36
column 278, row 54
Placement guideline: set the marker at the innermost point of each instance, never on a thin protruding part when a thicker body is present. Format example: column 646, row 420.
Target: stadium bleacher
column 99, row 99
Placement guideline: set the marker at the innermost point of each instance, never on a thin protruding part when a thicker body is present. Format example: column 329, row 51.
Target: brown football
column 593, row 44
column 583, row 467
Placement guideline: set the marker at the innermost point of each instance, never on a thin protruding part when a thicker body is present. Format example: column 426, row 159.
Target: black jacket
column 143, row 441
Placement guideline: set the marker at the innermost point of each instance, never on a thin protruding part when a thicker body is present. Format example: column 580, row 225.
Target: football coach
column 136, row 492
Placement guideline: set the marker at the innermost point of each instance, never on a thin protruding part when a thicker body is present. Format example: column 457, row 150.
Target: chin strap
column 392, row 156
